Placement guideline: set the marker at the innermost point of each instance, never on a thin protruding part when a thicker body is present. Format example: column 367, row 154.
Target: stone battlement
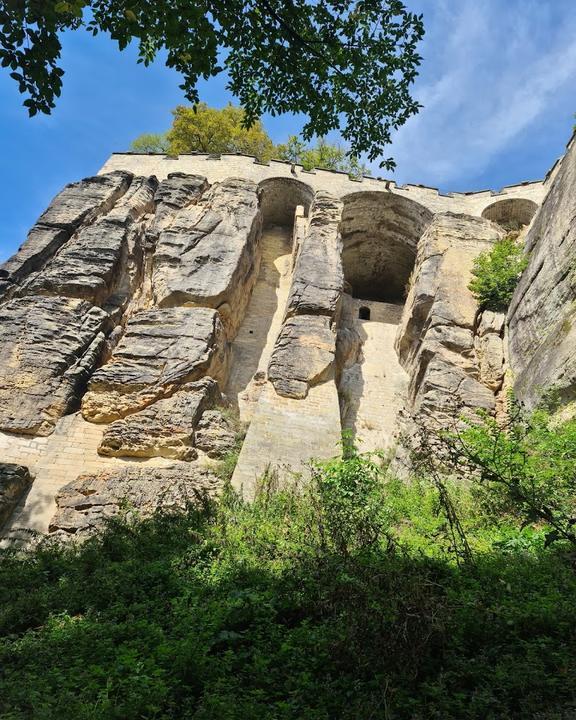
column 218, row 167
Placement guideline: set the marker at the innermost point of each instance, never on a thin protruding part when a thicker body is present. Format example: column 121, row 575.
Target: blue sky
column 498, row 83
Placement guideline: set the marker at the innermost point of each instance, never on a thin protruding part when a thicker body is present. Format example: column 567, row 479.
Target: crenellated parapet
column 219, row 167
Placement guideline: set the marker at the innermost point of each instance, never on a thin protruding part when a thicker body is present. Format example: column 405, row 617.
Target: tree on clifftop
column 322, row 155
column 345, row 65
column 209, row 130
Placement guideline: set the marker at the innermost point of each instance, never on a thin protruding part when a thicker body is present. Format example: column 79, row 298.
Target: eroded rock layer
column 49, row 348
column 164, row 429
column 303, row 356
column 77, row 204
column 318, row 279
column 436, row 339
column 14, row 482
column 209, row 254
column 86, row 504
column 90, row 265
column 161, row 350
column 306, row 346
column 542, row 314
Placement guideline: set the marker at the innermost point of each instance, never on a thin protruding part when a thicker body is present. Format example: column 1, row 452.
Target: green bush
column 526, row 469
column 496, row 273
column 336, row 599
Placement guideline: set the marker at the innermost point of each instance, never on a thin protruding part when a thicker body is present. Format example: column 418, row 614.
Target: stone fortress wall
column 156, row 299
column 219, row 167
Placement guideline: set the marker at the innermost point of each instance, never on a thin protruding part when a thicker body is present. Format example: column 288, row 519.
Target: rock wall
column 140, row 316
column 442, row 342
column 542, row 315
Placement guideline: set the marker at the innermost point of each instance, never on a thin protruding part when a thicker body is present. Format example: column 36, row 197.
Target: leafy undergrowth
column 341, row 600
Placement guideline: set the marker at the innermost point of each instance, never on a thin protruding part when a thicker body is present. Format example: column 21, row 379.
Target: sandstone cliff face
column 92, row 263
column 79, row 203
column 164, row 429
column 306, row 347
column 209, row 254
column 124, row 300
column 49, row 348
column 127, row 298
column 542, row 314
column 161, row 350
column 451, row 357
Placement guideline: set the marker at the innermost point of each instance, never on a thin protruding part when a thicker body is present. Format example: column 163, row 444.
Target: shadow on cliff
column 351, row 390
column 214, row 614
column 253, row 335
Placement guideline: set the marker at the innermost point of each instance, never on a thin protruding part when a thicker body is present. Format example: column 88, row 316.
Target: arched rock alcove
column 279, row 198
column 380, row 233
column 512, row 213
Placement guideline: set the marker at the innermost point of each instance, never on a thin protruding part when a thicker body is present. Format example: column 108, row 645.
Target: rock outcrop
column 436, row 339
column 179, row 190
column 77, row 204
column 209, row 254
column 303, row 355
column 49, row 347
column 85, row 505
column 318, row 278
column 14, row 482
column 161, row 351
column 542, row 314
column 90, row 265
column 489, row 346
column 216, row 433
column 164, row 429
column 306, row 346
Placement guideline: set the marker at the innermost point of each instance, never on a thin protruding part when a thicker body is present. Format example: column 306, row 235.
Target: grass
column 342, row 600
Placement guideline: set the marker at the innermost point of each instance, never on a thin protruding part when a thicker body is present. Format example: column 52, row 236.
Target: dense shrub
column 525, row 469
column 496, row 273
column 340, row 599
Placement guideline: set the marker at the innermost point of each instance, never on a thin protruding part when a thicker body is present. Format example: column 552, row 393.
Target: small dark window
column 364, row 313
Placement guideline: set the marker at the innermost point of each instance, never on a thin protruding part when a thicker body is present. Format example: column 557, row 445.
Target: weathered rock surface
column 303, row 355
column 164, row 429
column 542, row 314
column 14, row 482
column 216, row 433
column 435, row 340
column 162, row 350
column 78, row 203
column 176, row 192
column 209, row 254
column 86, row 504
column 318, row 277
column 49, row 347
column 92, row 263
column 489, row 344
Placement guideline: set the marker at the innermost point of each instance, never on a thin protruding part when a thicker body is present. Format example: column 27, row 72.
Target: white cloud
column 491, row 69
